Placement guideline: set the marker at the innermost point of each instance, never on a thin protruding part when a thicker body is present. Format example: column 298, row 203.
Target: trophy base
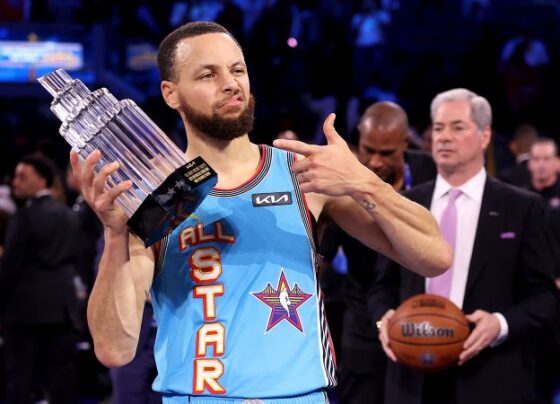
column 173, row 201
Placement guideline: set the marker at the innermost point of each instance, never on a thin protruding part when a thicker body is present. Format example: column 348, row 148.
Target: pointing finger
column 295, row 146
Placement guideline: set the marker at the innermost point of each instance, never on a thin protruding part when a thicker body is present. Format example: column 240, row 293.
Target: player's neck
column 235, row 161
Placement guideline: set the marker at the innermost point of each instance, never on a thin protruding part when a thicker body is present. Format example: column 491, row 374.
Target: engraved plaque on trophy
column 166, row 187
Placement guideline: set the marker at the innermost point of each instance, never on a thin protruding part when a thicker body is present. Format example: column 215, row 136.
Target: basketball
column 427, row 332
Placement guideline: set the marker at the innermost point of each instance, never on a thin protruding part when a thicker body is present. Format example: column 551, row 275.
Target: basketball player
column 216, row 280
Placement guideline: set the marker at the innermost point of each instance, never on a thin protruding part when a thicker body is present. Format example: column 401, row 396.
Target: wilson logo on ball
column 427, row 332
column 425, row 329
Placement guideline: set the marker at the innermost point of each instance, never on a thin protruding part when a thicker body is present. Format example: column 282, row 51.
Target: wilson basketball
column 427, row 332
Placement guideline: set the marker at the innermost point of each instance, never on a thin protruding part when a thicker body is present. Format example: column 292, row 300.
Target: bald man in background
column 383, row 142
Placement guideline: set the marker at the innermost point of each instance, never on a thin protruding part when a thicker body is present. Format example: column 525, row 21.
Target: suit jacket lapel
column 487, row 223
column 424, row 197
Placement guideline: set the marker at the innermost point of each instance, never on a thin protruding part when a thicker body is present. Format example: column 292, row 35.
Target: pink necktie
column 441, row 285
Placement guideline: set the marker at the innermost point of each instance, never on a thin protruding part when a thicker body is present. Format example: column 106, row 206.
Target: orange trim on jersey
column 329, row 337
column 213, row 258
column 307, row 211
column 333, row 352
column 308, row 214
column 257, row 172
column 206, row 386
column 204, row 297
column 213, row 344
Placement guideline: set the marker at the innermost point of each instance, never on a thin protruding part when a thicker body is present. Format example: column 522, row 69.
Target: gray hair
column 481, row 112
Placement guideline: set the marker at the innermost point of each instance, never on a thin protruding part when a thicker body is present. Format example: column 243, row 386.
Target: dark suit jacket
column 359, row 335
column 517, row 174
column 422, row 166
column 38, row 266
column 88, row 236
column 510, row 273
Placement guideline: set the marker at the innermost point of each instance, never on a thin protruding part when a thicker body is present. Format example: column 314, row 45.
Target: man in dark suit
column 37, row 297
column 545, row 181
column 382, row 147
column 518, row 173
column 501, row 274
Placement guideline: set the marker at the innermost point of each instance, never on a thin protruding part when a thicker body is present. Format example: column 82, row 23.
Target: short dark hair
column 166, row 52
column 42, row 166
column 386, row 114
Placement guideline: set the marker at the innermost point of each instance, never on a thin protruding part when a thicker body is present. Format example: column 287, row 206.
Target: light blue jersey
column 237, row 300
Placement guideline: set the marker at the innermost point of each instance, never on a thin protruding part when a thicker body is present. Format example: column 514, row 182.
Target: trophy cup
column 166, row 187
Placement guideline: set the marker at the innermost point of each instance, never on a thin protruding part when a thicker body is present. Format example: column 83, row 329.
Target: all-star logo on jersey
column 283, row 301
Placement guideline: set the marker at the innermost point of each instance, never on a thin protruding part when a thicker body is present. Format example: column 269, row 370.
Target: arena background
column 306, row 58
column 302, row 56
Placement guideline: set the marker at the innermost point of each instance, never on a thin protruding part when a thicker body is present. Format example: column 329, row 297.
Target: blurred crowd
column 307, row 58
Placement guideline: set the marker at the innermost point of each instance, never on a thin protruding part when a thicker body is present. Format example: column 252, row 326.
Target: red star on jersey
column 283, row 301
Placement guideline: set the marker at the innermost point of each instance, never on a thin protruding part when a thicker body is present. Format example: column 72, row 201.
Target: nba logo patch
column 283, row 301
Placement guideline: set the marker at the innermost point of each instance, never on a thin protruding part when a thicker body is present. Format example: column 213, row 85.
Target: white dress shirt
column 468, row 211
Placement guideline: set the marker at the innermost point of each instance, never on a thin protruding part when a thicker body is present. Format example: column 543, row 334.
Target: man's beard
column 218, row 127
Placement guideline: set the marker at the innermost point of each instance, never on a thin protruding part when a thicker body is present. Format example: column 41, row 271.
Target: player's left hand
column 486, row 330
column 331, row 169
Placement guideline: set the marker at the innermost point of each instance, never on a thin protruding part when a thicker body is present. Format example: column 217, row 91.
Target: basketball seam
column 428, row 344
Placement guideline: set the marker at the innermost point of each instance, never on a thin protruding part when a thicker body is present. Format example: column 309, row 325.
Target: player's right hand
column 383, row 327
column 93, row 190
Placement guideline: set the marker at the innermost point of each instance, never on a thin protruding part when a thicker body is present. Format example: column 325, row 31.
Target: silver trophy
column 166, row 187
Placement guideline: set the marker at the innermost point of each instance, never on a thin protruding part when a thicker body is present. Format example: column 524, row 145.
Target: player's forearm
column 411, row 230
column 115, row 306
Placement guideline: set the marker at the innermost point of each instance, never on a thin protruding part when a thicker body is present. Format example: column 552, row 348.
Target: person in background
column 37, row 296
column 543, row 167
column 520, row 146
column 501, row 275
column 91, row 230
column 383, row 140
column 7, row 209
column 426, row 142
column 288, row 134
